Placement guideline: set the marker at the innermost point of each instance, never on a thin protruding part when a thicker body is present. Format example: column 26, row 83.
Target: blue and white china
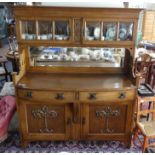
column 111, row 33
column 122, row 33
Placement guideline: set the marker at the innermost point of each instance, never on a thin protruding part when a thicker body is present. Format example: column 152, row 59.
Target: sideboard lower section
column 62, row 115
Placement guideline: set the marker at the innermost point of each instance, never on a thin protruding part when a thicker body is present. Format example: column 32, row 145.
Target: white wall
column 150, row 6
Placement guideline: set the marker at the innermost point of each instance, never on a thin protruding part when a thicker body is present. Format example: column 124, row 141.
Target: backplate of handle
column 29, row 94
column 122, row 95
column 60, row 96
column 92, row 96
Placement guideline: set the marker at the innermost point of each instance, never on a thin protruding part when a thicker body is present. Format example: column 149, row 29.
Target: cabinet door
column 108, row 121
column 104, row 32
column 49, row 30
column 45, row 121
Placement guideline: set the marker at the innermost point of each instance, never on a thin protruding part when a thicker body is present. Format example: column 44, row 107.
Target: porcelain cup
column 30, row 36
column 43, row 37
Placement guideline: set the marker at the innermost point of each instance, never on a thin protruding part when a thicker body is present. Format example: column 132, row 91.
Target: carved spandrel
column 107, row 113
column 44, row 113
column 21, row 48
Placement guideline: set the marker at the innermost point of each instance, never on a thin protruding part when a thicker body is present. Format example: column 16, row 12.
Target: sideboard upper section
column 73, row 26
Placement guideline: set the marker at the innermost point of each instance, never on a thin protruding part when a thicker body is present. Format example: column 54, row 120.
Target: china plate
column 110, row 35
column 122, row 33
column 97, row 32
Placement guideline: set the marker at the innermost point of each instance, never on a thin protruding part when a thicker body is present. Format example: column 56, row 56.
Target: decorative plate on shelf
column 122, row 33
column 111, row 33
column 97, row 33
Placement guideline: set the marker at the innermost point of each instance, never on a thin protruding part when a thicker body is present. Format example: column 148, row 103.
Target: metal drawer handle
column 122, row 95
column 92, row 96
column 29, row 94
column 60, row 96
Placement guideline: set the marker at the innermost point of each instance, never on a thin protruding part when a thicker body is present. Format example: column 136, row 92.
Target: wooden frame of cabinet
column 77, row 91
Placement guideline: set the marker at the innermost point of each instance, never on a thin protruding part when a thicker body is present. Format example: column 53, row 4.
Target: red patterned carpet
column 12, row 145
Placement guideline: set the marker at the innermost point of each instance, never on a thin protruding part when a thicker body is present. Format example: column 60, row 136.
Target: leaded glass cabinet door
column 47, row 30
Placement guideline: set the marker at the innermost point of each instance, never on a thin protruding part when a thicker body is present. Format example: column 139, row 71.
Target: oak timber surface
column 45, row 81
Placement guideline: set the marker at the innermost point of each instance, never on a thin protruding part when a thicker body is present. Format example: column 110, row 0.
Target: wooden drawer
column 46, row 95
column 107, row 96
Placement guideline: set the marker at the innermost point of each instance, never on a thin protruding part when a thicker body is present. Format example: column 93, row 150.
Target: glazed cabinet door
column 108, row 121
column 107, row 32
column 42, row 30
column 45, row 121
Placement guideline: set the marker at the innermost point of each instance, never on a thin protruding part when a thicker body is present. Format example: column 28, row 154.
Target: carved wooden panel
column 107, row 119
column 46, row 118
column 77, row 30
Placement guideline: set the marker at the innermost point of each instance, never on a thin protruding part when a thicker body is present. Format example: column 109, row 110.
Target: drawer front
column 107, row 96
column 46, row 95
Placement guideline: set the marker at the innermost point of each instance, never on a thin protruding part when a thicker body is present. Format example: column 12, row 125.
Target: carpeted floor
column 12, row 145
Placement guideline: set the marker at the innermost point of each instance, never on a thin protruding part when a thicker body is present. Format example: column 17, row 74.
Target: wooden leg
column 128, row 141
column 153, row 115
column 24, row 144
column 145, row 144
column 135, row 136
column 153, row 85
column 149, row 107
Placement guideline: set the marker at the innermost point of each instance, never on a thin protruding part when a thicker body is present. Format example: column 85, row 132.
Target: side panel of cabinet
column 106, row 121
column 44, row 121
